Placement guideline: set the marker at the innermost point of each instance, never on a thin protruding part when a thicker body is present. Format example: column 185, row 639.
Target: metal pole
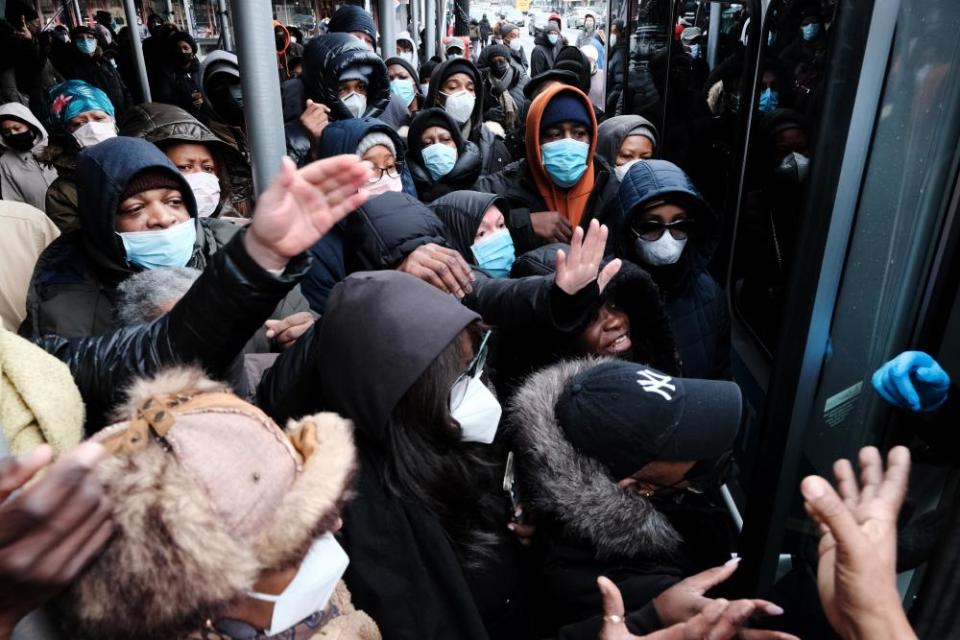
column 188, row 18
column 76, row 7
column 388, row 29
column 225, row 27
column 262, row 110
column 414, row 23
column 137, row 49
column 171, row 14
column 714, row 34
column 430, row 22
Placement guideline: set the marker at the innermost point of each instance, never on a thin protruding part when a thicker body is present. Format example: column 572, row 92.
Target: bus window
column 795, row 44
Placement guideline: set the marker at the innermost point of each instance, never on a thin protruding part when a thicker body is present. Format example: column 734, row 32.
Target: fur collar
column 574, row 489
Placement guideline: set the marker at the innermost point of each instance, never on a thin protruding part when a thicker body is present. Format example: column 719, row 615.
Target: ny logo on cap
column 653, row 382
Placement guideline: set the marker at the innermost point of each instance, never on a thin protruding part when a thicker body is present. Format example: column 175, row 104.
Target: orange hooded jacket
column 569, row 202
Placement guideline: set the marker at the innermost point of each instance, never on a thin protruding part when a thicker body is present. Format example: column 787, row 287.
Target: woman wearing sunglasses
column 666, row 227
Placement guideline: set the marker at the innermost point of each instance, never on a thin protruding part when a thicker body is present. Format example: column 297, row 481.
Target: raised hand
column 300, row 206
column 315, row 119
column 856, row 575
column 51, row 529
column 913, row 380
column 582, row 266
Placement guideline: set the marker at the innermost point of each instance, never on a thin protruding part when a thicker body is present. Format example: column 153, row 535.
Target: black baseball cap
column 625, row 415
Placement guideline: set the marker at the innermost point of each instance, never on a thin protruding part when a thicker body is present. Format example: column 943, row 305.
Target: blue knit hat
column 349, row 18
column 565, row 108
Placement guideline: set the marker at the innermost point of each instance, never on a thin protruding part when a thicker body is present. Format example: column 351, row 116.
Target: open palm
column 300, row 206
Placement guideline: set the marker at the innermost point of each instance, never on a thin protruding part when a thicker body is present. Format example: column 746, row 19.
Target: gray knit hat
column 373, row 139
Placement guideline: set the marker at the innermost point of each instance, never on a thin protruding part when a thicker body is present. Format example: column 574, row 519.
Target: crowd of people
column 460, row 371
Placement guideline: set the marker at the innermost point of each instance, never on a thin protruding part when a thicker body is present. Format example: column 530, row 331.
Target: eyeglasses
column 391, row 172
column 458, row 390
column 653, row 230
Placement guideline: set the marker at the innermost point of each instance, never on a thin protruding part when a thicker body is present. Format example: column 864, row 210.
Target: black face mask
column 500, row 69
column 280, row 41
column 225, row 103
column 22, row 141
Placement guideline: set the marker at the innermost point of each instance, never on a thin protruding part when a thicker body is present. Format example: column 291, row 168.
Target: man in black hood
column 357, row 22
column 343, row 79
column 548, row 45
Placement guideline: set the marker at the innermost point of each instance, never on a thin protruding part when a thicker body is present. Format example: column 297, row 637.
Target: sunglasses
column 653, row 230
column 458, row 390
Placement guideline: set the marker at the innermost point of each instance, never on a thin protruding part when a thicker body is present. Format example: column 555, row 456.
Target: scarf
column 500, row 88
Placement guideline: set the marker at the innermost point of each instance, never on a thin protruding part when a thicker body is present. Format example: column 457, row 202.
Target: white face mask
column 355, row 103
column 515, row 44
column 660, row 252
column 460, row 105
column 621, row 171
column 383, row 185
column 311, row 588
column 613, row 40
column 424, row 88
column 478, row 412
column 94, row 132
column 206, row 191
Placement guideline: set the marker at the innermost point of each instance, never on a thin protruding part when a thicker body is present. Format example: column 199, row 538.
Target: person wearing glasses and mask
column 665, row 226
column 619, row 467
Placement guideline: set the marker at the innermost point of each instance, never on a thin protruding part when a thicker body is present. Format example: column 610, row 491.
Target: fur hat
column 208, row 493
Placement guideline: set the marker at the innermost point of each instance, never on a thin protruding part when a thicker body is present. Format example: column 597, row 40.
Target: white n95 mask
column 310, row 590
column 206, row 191
column 477, row 411
column 657, row 253
column 95, row 132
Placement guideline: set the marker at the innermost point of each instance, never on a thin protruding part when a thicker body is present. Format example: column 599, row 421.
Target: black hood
column 446, row 69
column 418, row 97
column 162, row 124
column 103, row 171
column 325, row 58
column 462, row 212
column 465, row 172
column 382, row 232
column 344, row 136
column 633, row 291
column 381, row 332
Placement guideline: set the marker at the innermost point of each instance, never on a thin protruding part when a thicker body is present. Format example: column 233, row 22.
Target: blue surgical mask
column 552, row 38
column 403, row 88
column 439, row 159
column 565, row 160
column 495, row 253
column 769, row 100
column 771, row 38
column 810, row 31
column 86, row 45
column 170, row 247
column 694, row 51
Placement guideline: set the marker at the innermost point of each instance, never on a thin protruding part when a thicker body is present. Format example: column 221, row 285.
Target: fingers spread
column 896, row 478
column 847, row 484
column 829, row 509
column 871, row 472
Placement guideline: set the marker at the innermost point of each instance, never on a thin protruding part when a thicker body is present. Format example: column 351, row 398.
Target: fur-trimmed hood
column 208, row 493
column 573, row 489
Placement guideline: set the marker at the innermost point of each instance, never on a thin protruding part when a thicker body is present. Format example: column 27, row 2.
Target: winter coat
column 210, row 325
column 62, row 203
column 491, row 95
column 485, row 28
column 173, row 84
column 24, row 233
column 613, row 131
column 165, row 124
column 23, row 178
column 615, row 79
column 696, row 304
column 493, row 151
column 520, row 57
column 544, row 55
column 96, row 71
column 588, row 526
column 325, row 58
column 74, row 287
column 465, row 172
column 398, row 114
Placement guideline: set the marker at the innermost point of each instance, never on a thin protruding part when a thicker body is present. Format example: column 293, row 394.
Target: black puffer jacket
column 94, row 70
column 493, row 151
column 73, row 291
column 209, row 326
column 325, row 58
column 461, row 213
column 491, row 96
column 166, row 124
column 516, row 184
column 465, row 172
column 544, row 55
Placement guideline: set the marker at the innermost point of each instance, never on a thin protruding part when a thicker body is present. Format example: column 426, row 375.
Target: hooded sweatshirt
column 74, row 286
column 465, row 171
column 22, row 177
column 461, row 213
column 695, row 303
column 404, row 570
column 570, row 202
column 613, row 131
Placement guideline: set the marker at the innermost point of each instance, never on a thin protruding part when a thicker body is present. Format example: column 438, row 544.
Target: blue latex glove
column 913, row 380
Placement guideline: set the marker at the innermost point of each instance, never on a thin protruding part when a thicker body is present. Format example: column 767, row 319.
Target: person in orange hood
column 561, row 183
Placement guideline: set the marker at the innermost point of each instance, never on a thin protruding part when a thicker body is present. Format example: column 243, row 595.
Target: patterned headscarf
column 73, row 97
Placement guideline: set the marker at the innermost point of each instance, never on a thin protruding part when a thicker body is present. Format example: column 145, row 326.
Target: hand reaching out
column 301, row 205
column 856, row 576
column 315, row 119
column 442, row 267
column 582, row 266
column 913, row 380
column 285, row 331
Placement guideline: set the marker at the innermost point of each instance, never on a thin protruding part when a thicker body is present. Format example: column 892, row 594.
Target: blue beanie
column 349, row 18
column 565, row 108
